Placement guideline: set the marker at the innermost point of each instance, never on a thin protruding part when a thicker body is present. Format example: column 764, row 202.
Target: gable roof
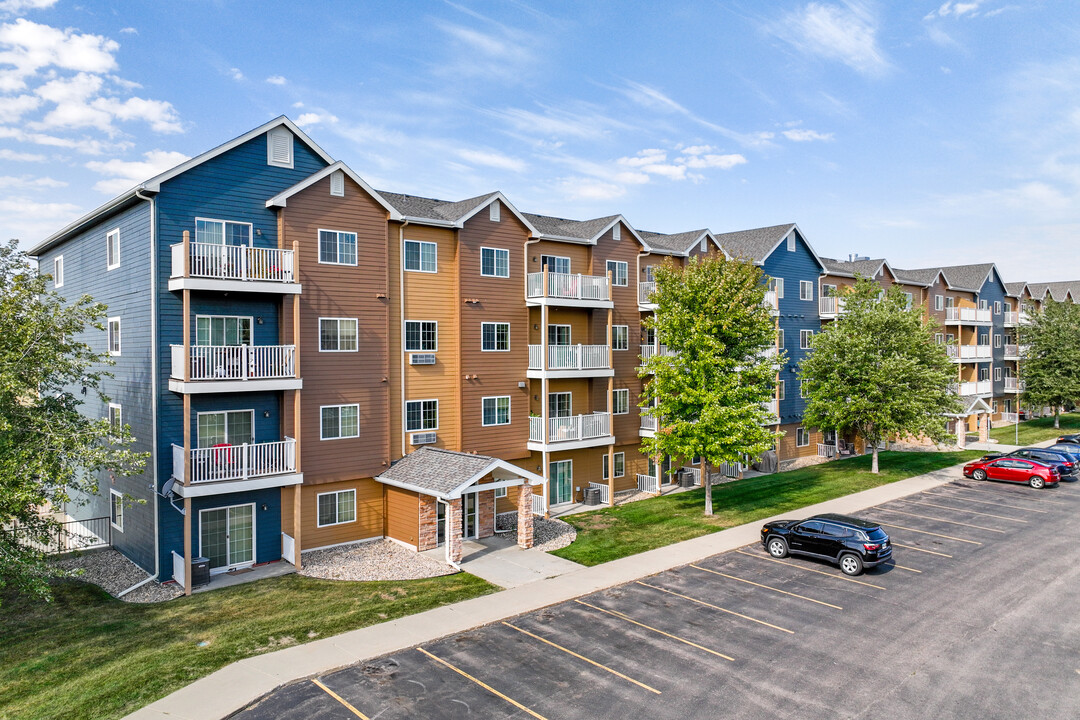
column 676, row 243
column 449, row 213
column 851, row 268
column 445, row 473
column 922, row 276
column 972, row 404
column 153, row 185
column 759, row 243
column 957, row 277
column 281, row 199
column 1015, row 289
column 1061, row 291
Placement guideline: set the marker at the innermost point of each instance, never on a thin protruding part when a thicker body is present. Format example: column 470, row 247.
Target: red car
column 1034, row 473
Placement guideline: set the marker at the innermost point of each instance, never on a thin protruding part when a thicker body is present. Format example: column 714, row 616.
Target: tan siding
column 369, row 514
column 787, row 449
column 402, row 514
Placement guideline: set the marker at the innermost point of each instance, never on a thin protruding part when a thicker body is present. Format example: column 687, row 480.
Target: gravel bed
column 376, row 560
column 548, row 534
column 114, row 573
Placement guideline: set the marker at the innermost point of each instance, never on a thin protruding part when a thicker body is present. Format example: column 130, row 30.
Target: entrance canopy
column 973, row 405
column 448, row 475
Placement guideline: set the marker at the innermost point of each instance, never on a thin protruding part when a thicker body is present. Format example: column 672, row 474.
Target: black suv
column 852, row 543
column 1060, row 458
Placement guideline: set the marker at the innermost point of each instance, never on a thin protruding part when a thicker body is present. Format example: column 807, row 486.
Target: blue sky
column 924, row 132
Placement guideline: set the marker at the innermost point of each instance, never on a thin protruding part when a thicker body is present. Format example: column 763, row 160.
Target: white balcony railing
column 648, row 351
column 236, row 362
column 570, row 429
column 1014, row 384
column 644, row 290
column 981, row 387
column 568, row 286
column 649, row 423
column 826, row 450
column 603, row 488
column 964, row 314
column 770, row 300
column 648, row 483
column 1010, row 417
column 1012, row 318
column 237, row 462
column 831, row 306
column 234, row 262
column 772, row 407
column 570, row 357
column 539, row 501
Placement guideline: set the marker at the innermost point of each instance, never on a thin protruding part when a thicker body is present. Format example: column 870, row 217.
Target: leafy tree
column 1050, row 368
column 710, row 395
column 49, row 450
column 877, row 370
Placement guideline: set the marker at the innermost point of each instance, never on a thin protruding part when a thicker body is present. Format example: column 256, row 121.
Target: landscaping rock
column 113, row 572
column 548, row 535
column 376, row 560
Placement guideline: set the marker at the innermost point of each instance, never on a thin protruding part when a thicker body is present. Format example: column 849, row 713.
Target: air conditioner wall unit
column 421, row 358
column 424, row 438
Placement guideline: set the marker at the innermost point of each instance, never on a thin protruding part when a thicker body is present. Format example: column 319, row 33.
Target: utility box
column 592, row 496
column 200, row 571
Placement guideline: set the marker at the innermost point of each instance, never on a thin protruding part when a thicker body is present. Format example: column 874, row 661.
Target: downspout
column 401, row 325
column 154, row 270
column 448, row 524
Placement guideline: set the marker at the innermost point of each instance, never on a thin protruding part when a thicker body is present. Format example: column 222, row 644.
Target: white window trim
column 494, row 213
column 58, row 276
column 226, row 414
column 623, row 327
column 509, row 410
column 419, row 430
column 997, row 307
column 119, row 414
column 339, row 319
column 615, row 275
column 778, row 287
column 251, row 228
column 496, row 251
column 939, row 302
column 483, row 349
column 421, row 243
column 780, row 339
column 569, row 262
column 356, row 515
column 560, row 393
column 804, row 343
column 119, row 336
column 805, row 435
column 404, row 335
column 616, row 391
column 108, row 243
column 339, row 233
column 115, row 496
column 249, row 318
column 997, row 374
column 808, row 286
column 781, row 386
column 612, row 474
column 802, row 390
column 279, row 131
column 791, row 242
column 322, row 430
column 500, row 493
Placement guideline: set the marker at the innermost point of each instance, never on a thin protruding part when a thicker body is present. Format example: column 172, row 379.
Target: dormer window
column 791, row 242
column 337, row 183
column 493, row 211
column 279, row 148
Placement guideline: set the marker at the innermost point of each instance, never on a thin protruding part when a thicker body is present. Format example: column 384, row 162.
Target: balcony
column 1015, row 352
column 968, row 316
column 648, row 427
column 644, row 291
column 830, row 307
column 1010, row 417
column 236, row 468
column 233, row 268
column 570, row 433
column 649, row 351
column 1013, row 319
column 569, row 361
column 981, row 387
column 568, row 290
column 969, row 353
column 234, row 368
column 772, row 407
column 771, row 302
column 1014, row 385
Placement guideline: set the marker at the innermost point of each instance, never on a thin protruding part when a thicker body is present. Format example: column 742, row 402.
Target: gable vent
column 337, row 183
column 426, row 438
column 421, row 358
column 279, row 148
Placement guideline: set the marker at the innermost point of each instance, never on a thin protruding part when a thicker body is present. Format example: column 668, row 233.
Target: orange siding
column 402, row 514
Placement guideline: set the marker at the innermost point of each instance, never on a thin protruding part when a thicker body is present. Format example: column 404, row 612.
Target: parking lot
column 974, row 618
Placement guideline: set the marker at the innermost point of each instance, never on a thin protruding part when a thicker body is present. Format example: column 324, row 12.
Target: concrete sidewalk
column 233, row 687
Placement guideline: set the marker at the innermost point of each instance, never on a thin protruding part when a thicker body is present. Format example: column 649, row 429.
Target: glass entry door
column 227, row 536
column 468, row 515
column 560, row 482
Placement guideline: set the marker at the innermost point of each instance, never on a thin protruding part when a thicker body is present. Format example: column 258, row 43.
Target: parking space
column 974, row 605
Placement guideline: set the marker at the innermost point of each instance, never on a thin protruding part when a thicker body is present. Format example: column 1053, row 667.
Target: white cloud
column 28, row 219
column 493, row 160
column 17, row 7
column 802, row 135
column 970, row 8
column 235, row 74
column 13, row 107
column 125, row 174
column 129, row 31
column 29, row 47
column 652, row 98
column 159, row 114
column 723, row 162
column 847, row 34
column 581, row 121
column 588, row 189
column 84, row 145
column 314, row 118
column 503, row 53
column 26, row 182
column 276, row 80
column 6, row 154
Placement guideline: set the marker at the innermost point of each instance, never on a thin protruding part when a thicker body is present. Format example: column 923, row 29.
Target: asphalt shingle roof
column 865, row 268
column 431, row 209
column 562, row 227
column 677, row 242
column 441, row 471
column 1014, row 289
column 966, row 277
column 753, row 244
column 923, row 276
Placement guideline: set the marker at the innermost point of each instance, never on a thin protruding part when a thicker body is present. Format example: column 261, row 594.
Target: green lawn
column 613, row 533
column 87, row 655
column 1037, row 430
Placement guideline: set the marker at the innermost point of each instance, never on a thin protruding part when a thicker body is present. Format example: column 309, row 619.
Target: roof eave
column 89, row 218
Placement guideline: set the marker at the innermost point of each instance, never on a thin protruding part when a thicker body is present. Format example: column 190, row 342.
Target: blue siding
column 795, row 315
column 994, row 292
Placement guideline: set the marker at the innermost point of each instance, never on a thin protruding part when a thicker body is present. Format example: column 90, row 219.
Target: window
column 496, row 410
column 117, row 511
column 555, row 263
column 950, row 302
column 279, row 148
column 650, row 273
column 618, row 270
column 984, row 373
column 997, row 340
column 908, row 298
column 560, row 404
column 616, row 232
column 116, row 418
column 802, row 437
column 806, row 337
column 620, row 401
column 222, row 330
column 421, row 415
column 997, row 374
column 806, row 290
column 780, row 339
column 939, row 302
column 791, row 242
column 620, row 337
column 780, row 386
column 493, row 211
column 950, row 338
column 420, row 256
column 990, row 275
column 421, row 336
column 224, row 428
column 337, row 248
column 802, row 390
column 494, row 262
column 112, row 249
column 58, row 272
column 500, row 492
column 984, row 305
column 221, row 232
column 337, row 183
column 620, row 465
column 1008, row 306
column 337, row 334
column 340, row 421
column 997, row 307
column 114, row 336
column 495, row 336
column 777, row 286
column 939, row 338
column 558, row 334
column 336, row 508
column 828, row 291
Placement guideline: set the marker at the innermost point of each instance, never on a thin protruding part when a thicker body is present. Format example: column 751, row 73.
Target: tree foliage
column 877, row 370
column 1050, row 368
column 709, row 395
column 49, row 449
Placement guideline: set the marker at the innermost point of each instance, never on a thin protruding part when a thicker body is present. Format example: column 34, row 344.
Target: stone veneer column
column 485, row 514
column 453, row 521
column 428, row 537
column 525, row 516
column 984, row 427
column 961, row 432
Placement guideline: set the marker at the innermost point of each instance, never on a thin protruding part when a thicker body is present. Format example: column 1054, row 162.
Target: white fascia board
column 533, row 232
column 281, row 199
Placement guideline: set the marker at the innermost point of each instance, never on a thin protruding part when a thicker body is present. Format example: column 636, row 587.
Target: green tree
column 49, row 450
column 710, row 394
column 877, row 370
column 1050, row 369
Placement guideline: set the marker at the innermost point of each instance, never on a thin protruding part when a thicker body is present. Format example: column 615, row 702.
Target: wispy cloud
column 844, row 33
column 16, row 7
column 803, row 135
column 970, row 8
column 652, row 98
column 26, row 182
column 276, row 80
column 235, row 74
column 583, row 121
column 488, row 158
column 125, row 174
column 15, row 156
